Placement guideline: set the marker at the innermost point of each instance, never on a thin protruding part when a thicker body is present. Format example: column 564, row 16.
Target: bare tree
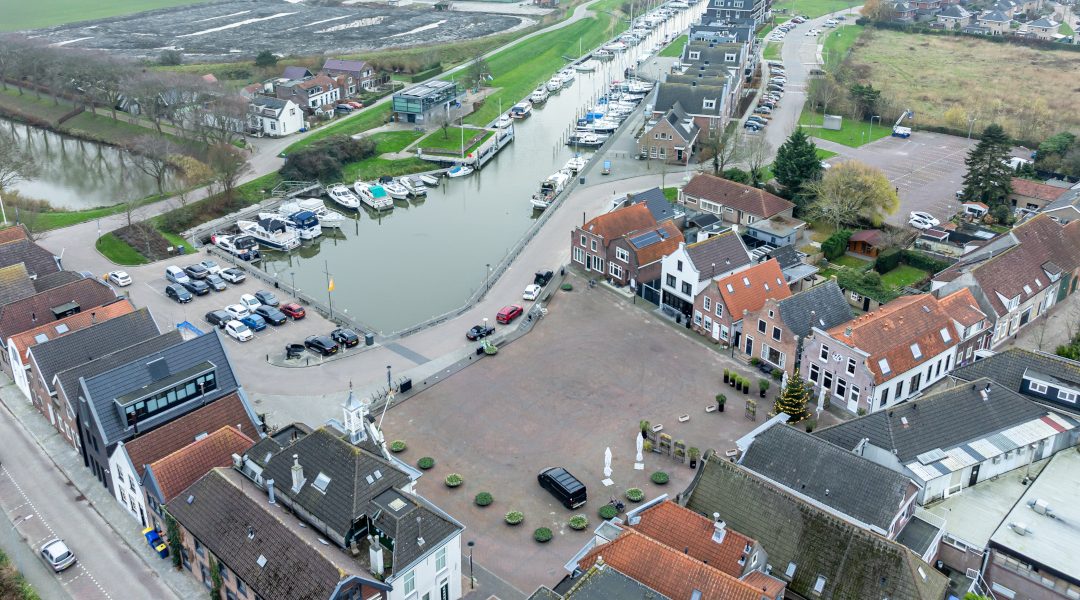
column 720, row 146
column 228, row 164
column 758, row 152
column 153, row 155
column 16, row 165
column 824, row 91
column 192, row 172
column 148, row 90
column 223, row 120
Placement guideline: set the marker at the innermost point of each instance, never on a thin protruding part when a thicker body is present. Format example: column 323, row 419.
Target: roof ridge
column 220, row 432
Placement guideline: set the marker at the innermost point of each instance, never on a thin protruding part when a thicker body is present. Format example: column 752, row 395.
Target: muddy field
column 235, row 28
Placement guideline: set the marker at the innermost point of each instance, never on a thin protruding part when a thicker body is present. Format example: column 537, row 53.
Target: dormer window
column 708, row 104
column 945, row 335
column 694, row 55
column 916, row 351
column 730, row 57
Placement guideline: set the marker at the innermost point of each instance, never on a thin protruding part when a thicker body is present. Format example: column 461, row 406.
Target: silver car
column 57, row 555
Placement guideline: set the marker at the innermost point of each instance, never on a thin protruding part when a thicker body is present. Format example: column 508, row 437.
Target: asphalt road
column 42, row 504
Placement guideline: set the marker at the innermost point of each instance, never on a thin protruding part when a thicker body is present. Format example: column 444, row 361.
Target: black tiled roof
column 38, row 260
column 53, row 280
column 1007, row 369
column 822, row 306
column 725, row 250
column 691, row 98
column 658, row 204
column 15, row 283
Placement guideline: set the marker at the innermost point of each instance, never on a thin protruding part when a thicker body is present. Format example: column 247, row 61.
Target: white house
column 689, row 269
column 274, row 117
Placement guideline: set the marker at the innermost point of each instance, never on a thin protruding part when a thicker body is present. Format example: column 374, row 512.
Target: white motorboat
column 586, row 139
column 373, row 195
column 459, row 171
column 243, row 247
column 503, row 122
column 430, row 180
column 521, row 110
column 539, row 96
column 304, row 222
column 554, row 84
column 413, row 185
column 604, row 125
column 273, row 231
column 603, row 54
column 395, row 189
column 550, row 189
column 567, row 76
column 341, row 194
column 576, row 164
column 327, row 218
column 638, row 86
column 585, row 67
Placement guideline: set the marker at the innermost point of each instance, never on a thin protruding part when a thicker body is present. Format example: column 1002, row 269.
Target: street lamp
column 487, row 278
column 472, row 580
column 387, row 376
column 878, row 117
column 292, row 276
column 971, row 125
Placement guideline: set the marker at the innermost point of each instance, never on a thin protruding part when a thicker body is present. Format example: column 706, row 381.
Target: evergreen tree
column 989, row 177
column 796, row 164
column 793, row 399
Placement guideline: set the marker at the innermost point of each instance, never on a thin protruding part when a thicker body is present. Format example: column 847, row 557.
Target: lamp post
column 878, row 117
column 292, row 276
column 971, row 125
column 487, row 278
column 387, row 376
column 472, row 580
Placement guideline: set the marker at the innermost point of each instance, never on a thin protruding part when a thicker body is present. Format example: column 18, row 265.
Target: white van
column 831, row 23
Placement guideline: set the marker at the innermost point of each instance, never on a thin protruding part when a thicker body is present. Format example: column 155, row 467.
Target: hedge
column 890, row 259
column 836, row 245
column 428, row 74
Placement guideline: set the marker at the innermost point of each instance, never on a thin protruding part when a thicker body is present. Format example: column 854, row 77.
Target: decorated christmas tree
column 793, row 399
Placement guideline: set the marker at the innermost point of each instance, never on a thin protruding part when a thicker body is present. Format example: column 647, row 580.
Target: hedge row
column 836, row 245
column 890, row 259
column 428, row 74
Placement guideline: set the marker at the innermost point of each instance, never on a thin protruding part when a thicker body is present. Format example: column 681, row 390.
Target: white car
column 233, row 275
column 57, row 555
column 924, row 216
column 250, row 302
column 119, row 278
column 812, row 32
column 919, row 223
column 238, row 331
column 532, row 292
column 211, row 267
column 237, row 311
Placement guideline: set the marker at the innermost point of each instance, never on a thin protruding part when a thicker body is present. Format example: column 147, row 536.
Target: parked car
column 566, row 488
column 119, row 278
column 924, row 216
column 272, row 315
column 57, row 555
column 215, row 282
column 266, row 297
column 293, row 310
column 753, row 126
column 255, row 322
column 919, row 223
column 237, row 311
column 233, row 275
column 211, row 267
column 196, row 286
column 218, row 318
column 175, row 274
column 238, row 331
column 250, row 301
column 764, row 110
column 508, row 314
column 321, row 344
column 355, row 104
column 178, row 292
column 532, row 291
column 542, row 278
column 196, row 271
column 345, row 337
column 477, row 332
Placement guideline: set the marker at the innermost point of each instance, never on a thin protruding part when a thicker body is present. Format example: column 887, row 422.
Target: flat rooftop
column 426, row 90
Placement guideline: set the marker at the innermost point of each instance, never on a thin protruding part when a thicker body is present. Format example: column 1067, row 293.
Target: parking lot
column 579, row 383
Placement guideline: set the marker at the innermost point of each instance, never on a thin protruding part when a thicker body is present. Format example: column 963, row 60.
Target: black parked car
column 267, row 298
column 178, row 292
column 215, row 282
column 542, row 278
column 479, row 332
column 321, row 344
column 218, row 318
column 272, row 315
column 196, row 271
column 196, row 286
column 345, row 337
column 565, row 487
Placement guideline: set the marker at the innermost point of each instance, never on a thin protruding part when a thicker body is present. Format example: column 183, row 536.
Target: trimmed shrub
column 542, row 535
column 608, row 512
column 635, row 495
column 484, row 499
column 425, row 463
column 579, row 522
column 659, row 478
column 566, row 287
column 453, row 480
column 515, row 517
column 397, row 446
column 836, row 245
column 887, row 261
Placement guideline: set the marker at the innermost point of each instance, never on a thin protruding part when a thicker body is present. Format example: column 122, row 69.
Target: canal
column 428, row 257
column 76, row 174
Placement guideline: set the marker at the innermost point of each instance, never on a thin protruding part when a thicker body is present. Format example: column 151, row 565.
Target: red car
column 293, row 310
column 355, row 104
column 508, row 313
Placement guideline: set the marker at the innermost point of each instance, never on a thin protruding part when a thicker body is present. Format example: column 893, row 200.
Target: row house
column 954, row 16
column 721, row 308
column 995, row 22
column 355, row 75
column 734, row 202
column 17, row 247
column 691, row 268
column 1048, row 379
column 704, row 59
column 625, row 246
column 887, row 356
column 708, row 103
column 1018, row 276
column 671, row 139
column 788, row 322
column 312, row 95
column 755, row 12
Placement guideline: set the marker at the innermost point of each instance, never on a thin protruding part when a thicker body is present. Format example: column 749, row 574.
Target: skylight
column 746, row 281
column 916, row 351
column 41, row 338
column 945, row 335
column 884, row 364
column 1027, row 289
column 730, row 289
column 1038, row 282
column 397, row 504
column 321, row 481
column 62, row 328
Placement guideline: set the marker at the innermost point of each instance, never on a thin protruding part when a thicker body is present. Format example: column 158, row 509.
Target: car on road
column 355, row 104
column 798, row 20
column 178, row 292
column 566, row 488
column 238, row 331
column 211, row 266
column 478, row 332
column 266, row 297
column 753, row 126
column 272, row 315
column 233, row 275
column 813, row 32
column 237, row 311
column 532, row 291
column 346, row 337
column 508, row 313
column 775, row 63
column 542, row 278
column 218, row 318
column 57, row 555
column 293, row 310
column 254, row 321
column 919, row 223
column 764, row 110
column 119, row 278
column 250, row 301
column 924, row 216
column 196, row 286
column 321, row 344
column 175, row 274
column 215, row 282
column 196, row 271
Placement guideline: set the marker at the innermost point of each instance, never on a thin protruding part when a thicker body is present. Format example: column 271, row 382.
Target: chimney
column 719, row 529
column 375, row 555
column 297, row 474
column 93, row 318
column 985, row 393
column 847, row 332
column 270, row 490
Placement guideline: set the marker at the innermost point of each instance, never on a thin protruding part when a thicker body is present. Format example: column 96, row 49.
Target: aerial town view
column 540, row 299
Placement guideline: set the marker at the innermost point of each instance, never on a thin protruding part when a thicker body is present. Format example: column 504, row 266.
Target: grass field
column 452, row 140
column 813, row 8
column 375, row 167
column 1020, row 88
column 850, row 261
column 837, row 42
column 118, row 251
column 772, row 51
column 44, row 13
column 901, row 276
column 675, row 48
column 852, row 133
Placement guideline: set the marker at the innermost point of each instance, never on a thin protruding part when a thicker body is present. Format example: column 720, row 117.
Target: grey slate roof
column 856, row 563
column 102, row 389
column 677, row 118
column 995, row 16
column 942, row 420
column 954, row 11
column 834, row 476
column 274, row 104
column 38, row 260
column 1069, row 198
column 1007, row 369
column 68, row 380
column 53, row 280
column 658, row 204
column 403, row 526
column 336, row 64
column 85, row 345
column 691, row 98
column 15, row 283
column 711, row 54
column 295, row 73
column 602, row 582
column 822, row 306
column 725, row 250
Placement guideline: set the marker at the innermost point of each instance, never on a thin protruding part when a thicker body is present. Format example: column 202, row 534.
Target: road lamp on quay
column 472, row 580
column 878, row 117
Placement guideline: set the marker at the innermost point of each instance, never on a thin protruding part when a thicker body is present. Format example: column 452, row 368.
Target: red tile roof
column 13, row 233
column 654, row 252
column 769, row 586
column 175, row 472
column 25, row 340
column 962, row 306
column 320, row 80
column 30, row 312
column 748, row 289
column 745, row 198
column 679, row 527
column 226, row 411
column 870, row 236
column 667, row 570
column 1034, row 189
column 621, row 222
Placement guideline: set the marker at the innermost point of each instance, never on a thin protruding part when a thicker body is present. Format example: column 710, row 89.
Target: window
column 851, row 366
column 772, row 314
column 670, row 281
column 579, row 256
column 241, row 588
column 826, row 380
column 819, row 585
column 592, row 245
column 945, row 335
column 824, row 354
column 761, row 325
column 708, row 104
column 776, row 333
column 841, row 387
column 697, row 318
column 159, row 401
column 206, row 577
column 678, row 266
column 916, row 351
column 687, row 289
column 723, row 332
column 440, row 559
column 410, row 582
column 899, row 389
column 1067, row 396
column 229, row 595
column 199, row 549
column 790, row 571
column 708, row 303
column 854, row 393
column 855, row 297
column 622, row 254
column 615, row 270
column 884, row 396
column 186, row 557
column 719, row 309
column 915, row 381
column 815, row 373
column 712, row 207
column 694, row 55
column 223, row 571
column 582, row 241
column 729, row 57
column 1038, row 388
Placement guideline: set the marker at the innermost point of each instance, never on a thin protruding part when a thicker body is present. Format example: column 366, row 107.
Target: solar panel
column 645, row 239
column 931, row 456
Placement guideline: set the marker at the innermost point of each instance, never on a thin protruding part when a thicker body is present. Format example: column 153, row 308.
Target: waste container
column 581, row 180
column 369, row 339
column 180, row 249
column 406, row 385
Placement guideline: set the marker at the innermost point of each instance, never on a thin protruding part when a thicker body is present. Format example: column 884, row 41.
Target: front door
column 866, row 304
column 974, row 476
column 749, row 345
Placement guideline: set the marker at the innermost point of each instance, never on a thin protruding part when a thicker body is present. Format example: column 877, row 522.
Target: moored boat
column 327, row 218
column 585, row 67
column 459, row 171
column 343, row 197
column 413, row 185
column 273, row 231
column 304, row 222
column 243, row 247
column 576, row 164
column 521, row 110
column 373, row 195
column 539, row 96
column 503, row 122
column 392, row 187
column 550, row 189
column 586, row 139
column 555, row 84
column 430, row 180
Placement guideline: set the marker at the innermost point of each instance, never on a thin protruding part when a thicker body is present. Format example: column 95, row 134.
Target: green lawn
column 675, row 48
column 43, row 13
column 118, row 251
column 838, row 42
column 850, row 261
column 452, row 140
column 394, row 141
column 901, row 276
column 772, row 51
column 813, row 8
column 373, row 168
column 823, row 153
column 366, row 119
column 852, row 133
